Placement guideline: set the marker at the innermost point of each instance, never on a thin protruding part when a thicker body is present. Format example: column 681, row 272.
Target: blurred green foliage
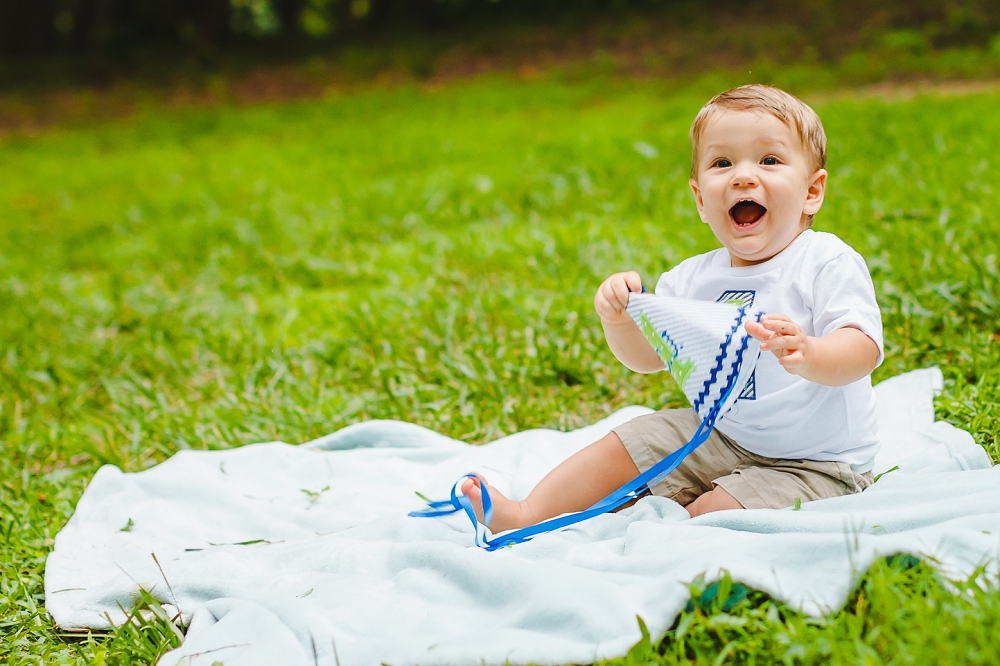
column 121, row 31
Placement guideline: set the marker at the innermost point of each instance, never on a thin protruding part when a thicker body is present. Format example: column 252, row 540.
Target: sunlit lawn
column 211, row 278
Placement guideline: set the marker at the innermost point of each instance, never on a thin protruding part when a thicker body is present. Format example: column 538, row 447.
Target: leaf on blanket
column 314, row 494
column 879, row 476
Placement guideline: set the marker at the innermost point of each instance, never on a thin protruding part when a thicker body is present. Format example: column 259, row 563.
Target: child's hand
column 612, row 296
column 785, row 339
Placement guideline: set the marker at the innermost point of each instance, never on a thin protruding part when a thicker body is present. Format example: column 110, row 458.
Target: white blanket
column 330, row 562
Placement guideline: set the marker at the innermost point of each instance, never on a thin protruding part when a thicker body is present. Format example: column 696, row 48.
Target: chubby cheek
column 716, row 208
column 706, row 211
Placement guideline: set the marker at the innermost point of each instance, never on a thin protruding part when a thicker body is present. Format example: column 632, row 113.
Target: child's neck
column 739, row 262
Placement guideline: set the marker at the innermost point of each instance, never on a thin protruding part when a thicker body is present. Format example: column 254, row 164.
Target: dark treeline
column 118, row 28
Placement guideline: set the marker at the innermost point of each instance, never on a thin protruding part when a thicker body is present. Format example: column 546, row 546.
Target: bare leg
column 585, row 477
column 715, row 500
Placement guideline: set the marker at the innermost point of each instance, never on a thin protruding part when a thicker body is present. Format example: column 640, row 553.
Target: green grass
column 211, row 278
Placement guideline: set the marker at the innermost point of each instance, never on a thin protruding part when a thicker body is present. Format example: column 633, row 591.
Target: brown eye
column 770, row 160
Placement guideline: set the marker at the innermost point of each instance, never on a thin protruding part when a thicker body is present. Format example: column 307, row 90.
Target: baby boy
column 804, row 428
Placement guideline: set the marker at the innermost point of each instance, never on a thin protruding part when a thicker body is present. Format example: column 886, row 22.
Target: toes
column 470, row 487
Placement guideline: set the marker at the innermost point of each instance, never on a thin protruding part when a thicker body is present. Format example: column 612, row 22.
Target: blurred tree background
column 117, row 33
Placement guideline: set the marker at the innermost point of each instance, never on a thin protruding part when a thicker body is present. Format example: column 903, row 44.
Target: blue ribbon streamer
column 630, row 491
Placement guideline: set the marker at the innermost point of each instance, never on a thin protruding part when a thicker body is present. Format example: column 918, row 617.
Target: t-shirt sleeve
column 667, row 284
column 844, row 296
column 680, row 279
column 677, row 281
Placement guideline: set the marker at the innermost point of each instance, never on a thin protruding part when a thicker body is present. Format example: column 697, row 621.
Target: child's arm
column 626, row 341
column 835, row 359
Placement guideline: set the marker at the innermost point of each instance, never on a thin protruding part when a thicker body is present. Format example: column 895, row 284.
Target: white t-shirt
column 822, row 285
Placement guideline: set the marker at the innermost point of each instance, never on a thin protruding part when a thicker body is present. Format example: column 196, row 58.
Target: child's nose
column 744, row 175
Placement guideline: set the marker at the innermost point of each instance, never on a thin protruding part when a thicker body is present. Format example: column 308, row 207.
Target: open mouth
column 745, row 212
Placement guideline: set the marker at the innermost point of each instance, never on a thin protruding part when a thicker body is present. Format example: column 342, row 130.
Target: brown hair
column 790, row 110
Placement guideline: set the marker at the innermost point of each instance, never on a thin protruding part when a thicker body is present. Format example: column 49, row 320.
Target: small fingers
column 633, row 281
column 781, row 326
column 758, row 331
column 621, row 292
column 612, row 296
column 792, row 362
column 777, row 341
column 782, row 342
column 601, row 305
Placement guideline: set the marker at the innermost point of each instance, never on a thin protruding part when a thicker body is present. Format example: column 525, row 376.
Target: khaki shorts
column 754, row 481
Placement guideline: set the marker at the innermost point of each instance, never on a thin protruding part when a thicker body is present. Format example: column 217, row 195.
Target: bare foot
column 507, row 514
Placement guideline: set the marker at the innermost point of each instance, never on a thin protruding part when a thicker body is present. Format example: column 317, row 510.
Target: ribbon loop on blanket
column 706, row 349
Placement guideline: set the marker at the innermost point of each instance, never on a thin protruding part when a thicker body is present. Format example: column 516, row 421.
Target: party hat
column 704, row 346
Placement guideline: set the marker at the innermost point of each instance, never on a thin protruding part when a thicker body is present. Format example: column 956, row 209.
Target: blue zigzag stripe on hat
column 706, row 349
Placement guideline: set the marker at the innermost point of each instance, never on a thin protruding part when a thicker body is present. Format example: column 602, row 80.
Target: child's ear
column 815, row 193
column 698, row 200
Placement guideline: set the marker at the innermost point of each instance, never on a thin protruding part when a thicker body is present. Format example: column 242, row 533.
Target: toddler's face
column 754, row 185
